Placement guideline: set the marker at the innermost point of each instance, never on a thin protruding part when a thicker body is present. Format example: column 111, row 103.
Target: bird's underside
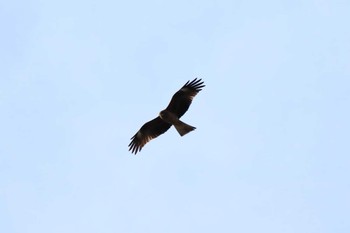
column 181, row 127
column 177, row 107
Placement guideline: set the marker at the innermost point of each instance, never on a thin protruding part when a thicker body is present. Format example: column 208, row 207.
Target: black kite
column 178, row 105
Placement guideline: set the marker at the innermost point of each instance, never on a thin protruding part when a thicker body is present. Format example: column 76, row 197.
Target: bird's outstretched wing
column 182, row 99
column 148, row 131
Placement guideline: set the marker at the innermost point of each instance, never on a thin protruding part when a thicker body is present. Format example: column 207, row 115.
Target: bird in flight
column 179, row 104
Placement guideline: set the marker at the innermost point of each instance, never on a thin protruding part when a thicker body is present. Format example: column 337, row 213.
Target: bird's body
column 172, row 119
column 178, row 105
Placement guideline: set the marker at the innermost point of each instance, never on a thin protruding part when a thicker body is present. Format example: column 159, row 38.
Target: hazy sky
column 271, row 149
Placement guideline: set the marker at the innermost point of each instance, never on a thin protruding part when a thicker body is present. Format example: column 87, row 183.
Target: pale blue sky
column 271, row 149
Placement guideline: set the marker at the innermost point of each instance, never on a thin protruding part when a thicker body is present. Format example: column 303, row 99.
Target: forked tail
column 183, row 128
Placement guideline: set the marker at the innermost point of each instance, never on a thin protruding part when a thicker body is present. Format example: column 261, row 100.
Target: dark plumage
column 179, row 104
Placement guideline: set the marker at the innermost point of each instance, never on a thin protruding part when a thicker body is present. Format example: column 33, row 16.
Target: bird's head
column 162, row 114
